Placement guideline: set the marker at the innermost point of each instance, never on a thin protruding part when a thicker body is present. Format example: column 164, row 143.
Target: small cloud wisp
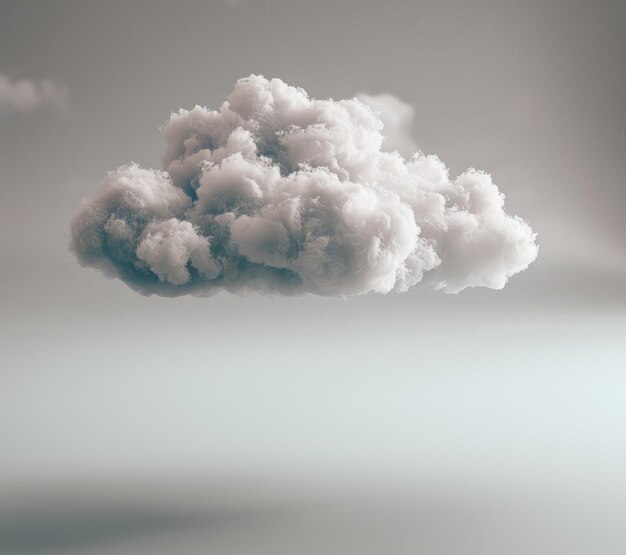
column 25, row 96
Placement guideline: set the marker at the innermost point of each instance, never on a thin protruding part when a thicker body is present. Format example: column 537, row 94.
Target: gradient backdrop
column 492, row 422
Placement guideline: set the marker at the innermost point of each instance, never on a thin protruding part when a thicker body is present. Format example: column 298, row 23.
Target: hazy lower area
column 489, row 422
column 353, row 430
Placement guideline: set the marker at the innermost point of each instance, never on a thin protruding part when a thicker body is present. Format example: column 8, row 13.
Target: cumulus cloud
column 26, row 96
column 397, row 117
column 276, row 192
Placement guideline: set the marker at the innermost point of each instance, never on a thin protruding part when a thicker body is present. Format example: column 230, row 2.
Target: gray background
column 483, row 422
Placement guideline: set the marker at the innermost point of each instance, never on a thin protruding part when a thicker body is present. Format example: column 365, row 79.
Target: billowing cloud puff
column 278, row 192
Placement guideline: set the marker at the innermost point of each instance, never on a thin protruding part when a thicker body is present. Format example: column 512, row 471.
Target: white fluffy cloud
column 279, row 192
column 26, row 96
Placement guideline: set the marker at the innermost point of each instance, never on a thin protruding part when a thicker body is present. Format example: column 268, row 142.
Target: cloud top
column 277, row 192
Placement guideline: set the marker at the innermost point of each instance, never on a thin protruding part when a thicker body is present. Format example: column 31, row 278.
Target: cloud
column 277, row 192
column 25, row 96
column 397, row 117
